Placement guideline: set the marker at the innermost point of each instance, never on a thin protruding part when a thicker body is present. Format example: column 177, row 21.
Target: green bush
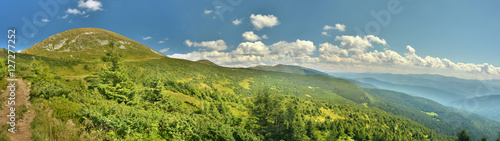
column 48, row 89
column 57, row 77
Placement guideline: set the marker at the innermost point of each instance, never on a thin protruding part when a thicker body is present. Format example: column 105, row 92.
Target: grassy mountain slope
column 290, row 69
column 165, row 98
column 87, row 44
column 177, row 99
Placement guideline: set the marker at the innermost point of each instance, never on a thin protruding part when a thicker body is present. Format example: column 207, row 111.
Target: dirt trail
column 23, row 132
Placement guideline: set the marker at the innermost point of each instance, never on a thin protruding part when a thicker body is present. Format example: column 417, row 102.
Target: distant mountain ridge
column 90, row 43
column 476, row 96
column 488, row 106
column 290, row 69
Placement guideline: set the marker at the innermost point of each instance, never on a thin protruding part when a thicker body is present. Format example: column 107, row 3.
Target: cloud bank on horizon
column 319, row 36
column 346, row 53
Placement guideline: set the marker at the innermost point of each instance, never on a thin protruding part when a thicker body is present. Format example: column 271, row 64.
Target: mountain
column 488, row 106
column 440, row 118
column 440, row 88
column 435, row 94
column 461, row 87
column 89, row 44
column 290, row 69
column 208, row 62
column 162, row 98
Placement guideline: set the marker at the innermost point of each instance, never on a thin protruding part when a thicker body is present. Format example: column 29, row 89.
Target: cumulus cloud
column 294, row 49
column 75, row 11
column 388, row 57
column 413, row 57
column 250, row 36
column 357, row 44
column 350, row 53
column 325, row 33
column 90, row 5
column 208, row 11
column 237, row 22
column 339, row 27
column 257, row 53
column 161, row 42
column 164, row 50
column 331, row 53
column 264, row 36
column 252, row 48
column 146, row 38
column 376, row 39
column 260, row 21
column 327, row 27
column 211, row 45
column 45, row 20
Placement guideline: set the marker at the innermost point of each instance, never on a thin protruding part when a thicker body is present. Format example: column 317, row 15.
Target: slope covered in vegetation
column 114, row 96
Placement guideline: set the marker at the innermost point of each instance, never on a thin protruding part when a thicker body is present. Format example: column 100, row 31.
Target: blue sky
column 463, row 32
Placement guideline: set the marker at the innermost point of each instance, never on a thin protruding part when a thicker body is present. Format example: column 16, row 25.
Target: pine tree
column 115, row 83
column 498, row 138
column 484, row 138
column 463, row 136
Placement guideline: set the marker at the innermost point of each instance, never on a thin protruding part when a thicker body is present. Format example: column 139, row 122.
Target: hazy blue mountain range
column 477, row 96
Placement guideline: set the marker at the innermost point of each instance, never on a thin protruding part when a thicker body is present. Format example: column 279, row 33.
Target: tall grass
column 47, row 127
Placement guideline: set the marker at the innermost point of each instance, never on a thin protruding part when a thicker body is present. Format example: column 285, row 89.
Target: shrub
column 48, row 89
column 57, row 77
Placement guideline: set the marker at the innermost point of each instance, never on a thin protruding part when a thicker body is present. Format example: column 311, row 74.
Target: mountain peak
column 89, row 43
column 208, row 62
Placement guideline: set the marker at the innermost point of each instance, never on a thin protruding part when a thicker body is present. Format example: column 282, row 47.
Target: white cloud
column 412, row 57
column 45, row 20
column 354, row 44
column 331, row 53
column 328, row 49
column 260, row 21
column 250, row 36
column 375, row 57
column 211, row 45
column 208, row 11
column 294, row 49
column 264, row 36
column 339, row 27
column 65, row 16
column 188, row 43
column 325, row 33
column 357, row 44
column 327, row 27
column 350, row 54
column 75, row 11
column 90, row 5
column 164, row 50
column 146, row 38
column 376, row 39
column 252, row 48
column 237, row 22
column 257, row 53
column 161, row 42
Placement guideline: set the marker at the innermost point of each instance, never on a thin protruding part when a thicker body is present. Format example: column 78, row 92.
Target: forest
column 173, row 99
